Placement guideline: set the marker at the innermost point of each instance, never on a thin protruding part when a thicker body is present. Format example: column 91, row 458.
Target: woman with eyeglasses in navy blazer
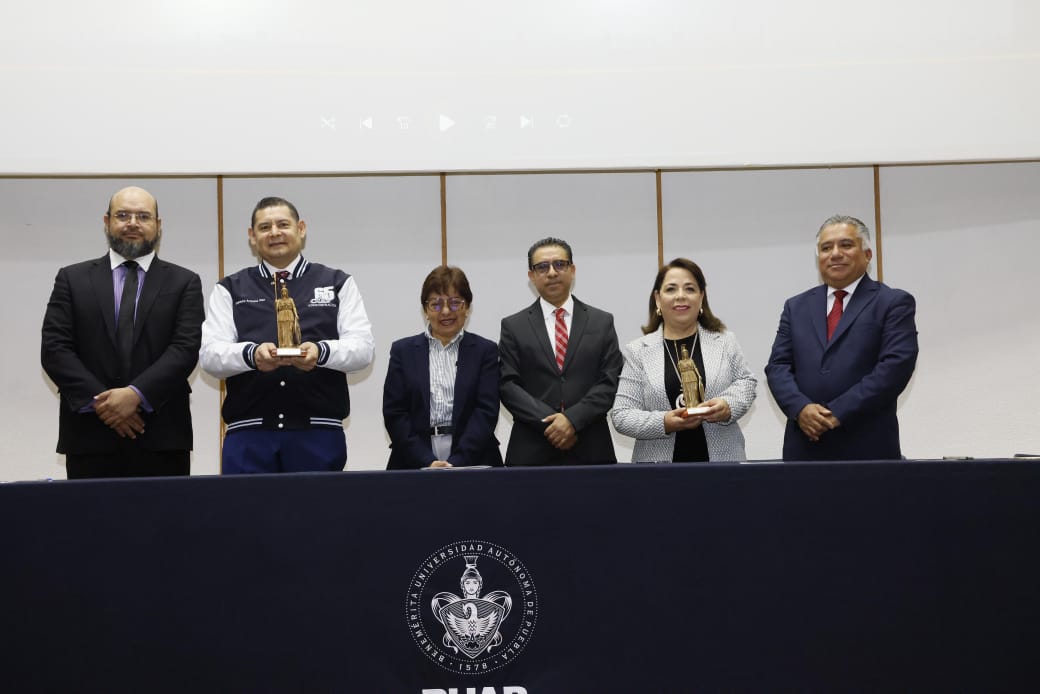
column 440, row 398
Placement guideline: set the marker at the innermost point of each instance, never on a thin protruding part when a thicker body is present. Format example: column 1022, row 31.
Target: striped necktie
column 561, row 339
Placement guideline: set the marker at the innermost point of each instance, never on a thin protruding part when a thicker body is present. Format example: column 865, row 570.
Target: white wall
column 962, row 239
column 200, row 86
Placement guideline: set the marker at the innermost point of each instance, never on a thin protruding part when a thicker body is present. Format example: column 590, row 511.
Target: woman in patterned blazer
column 649, row 405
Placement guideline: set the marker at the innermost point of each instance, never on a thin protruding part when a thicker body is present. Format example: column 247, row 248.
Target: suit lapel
column 818, row 313
column 712, row 356
column 149, row 292
column 865, row 293
column 463, row 375
column 101, row 281
column 537, row 323
column 653, row 344
column 579, row 321
column 420, row 355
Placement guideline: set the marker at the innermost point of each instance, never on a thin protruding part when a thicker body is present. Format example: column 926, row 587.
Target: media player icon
column 446, row 122
column 526, row 122
column 366, row 123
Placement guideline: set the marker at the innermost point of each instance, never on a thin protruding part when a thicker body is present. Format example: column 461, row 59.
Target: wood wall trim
column 878, row 265
column 222, row 430
column 660, row 220
column 518, row 172
column 444, row 219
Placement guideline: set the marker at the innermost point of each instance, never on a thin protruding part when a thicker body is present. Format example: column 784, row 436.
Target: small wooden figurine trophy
column 692, row 385
column 288, row 323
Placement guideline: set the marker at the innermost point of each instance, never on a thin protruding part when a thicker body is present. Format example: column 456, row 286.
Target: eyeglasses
column 142, row 217
column 558, row 265
column 454, row 304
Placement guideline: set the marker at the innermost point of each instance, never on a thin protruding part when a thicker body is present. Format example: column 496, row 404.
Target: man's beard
column 131, row 249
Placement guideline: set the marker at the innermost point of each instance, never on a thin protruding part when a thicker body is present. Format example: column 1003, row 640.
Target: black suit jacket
column 406, row 404
column 532, row 387
column 79, row 353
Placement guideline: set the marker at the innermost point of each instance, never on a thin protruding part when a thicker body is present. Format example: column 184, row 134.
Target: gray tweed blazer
column 641, row 403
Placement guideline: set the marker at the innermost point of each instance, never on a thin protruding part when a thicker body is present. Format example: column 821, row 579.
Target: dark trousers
column 251, row 451
column 137, row 463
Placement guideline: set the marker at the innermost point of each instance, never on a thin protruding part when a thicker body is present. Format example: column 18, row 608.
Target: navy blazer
column 406, row 404
column 79, row 353
column 858, row 375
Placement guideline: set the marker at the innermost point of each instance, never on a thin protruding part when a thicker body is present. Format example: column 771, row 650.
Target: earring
column 658, row 310
column 702, row 310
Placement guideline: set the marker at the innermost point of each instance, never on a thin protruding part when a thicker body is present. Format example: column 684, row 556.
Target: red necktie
column 836, row 310
column 561, row 338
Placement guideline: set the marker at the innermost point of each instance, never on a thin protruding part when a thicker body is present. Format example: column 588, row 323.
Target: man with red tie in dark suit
column 560, row 369
column 843, row 353
column 121, row 336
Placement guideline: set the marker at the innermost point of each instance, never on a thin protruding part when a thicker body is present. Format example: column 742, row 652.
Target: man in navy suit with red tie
column 121, row 336
column 843, row 353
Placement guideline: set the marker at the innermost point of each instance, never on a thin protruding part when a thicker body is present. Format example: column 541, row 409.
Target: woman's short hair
column 441, row 279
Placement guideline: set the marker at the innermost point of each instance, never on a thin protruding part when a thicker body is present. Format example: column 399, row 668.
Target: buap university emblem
column 487, row 623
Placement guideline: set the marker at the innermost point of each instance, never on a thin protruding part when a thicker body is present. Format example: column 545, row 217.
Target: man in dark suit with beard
column 121, row 335
column 560, row 369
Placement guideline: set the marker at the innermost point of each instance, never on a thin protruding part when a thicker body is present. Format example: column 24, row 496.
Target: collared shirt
column 444, row 360
column 549, row 313
column 850, row 289
column 291, row 267
column 119, row 274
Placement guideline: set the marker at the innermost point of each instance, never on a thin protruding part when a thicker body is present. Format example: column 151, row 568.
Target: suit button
column 281, row 416
column 282, row 384
column 280, row 425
